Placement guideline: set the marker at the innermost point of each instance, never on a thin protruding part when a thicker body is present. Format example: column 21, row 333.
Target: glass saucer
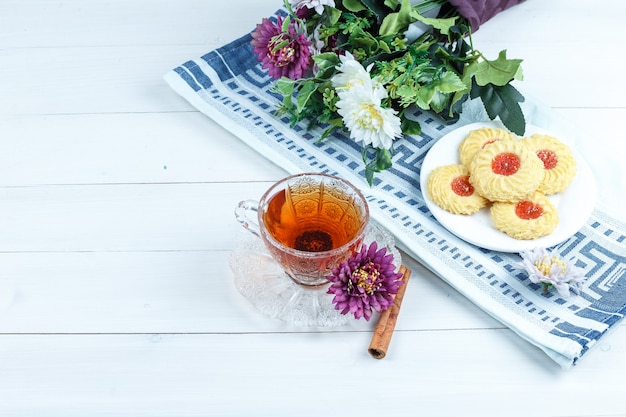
column 262, row 281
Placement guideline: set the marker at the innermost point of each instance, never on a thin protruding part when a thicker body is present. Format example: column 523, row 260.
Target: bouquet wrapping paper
column 229, row 86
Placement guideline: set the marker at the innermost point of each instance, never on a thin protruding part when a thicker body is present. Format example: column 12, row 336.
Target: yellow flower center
column 369, row 117
column 367, row 277
column 280, row 50
column 545, row 265
column 353, row 83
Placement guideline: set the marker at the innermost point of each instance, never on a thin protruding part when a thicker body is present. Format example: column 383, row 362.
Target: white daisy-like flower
column 365, row 118
column 551, row 270
column 351, row 74
column 318, row 5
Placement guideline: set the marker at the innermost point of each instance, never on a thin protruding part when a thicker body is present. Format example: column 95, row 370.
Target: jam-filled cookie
column 506, row 170
column 449, row 188
column 479, row 138
column 558, row 162
column 529, row 218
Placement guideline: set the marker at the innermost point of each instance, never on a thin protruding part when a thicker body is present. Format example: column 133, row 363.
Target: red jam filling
column 527, row 210
column 548, row 157
column 461, row 186
column 506, row 163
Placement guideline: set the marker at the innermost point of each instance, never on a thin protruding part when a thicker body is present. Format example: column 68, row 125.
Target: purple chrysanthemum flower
column 283, row 53
column 365, row 282
column 304, row 13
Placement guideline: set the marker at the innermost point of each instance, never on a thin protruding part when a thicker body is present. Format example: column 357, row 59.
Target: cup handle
column 246, row 215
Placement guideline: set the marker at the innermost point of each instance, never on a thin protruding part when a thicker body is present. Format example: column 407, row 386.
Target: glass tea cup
column 309, row 223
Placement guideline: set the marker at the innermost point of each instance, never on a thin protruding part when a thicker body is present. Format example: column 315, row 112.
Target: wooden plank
column 122, row 217
column 106, row 23
column 118, row 22
column 108, row 79
column 442, row 372
column 178, row 292
column 181, row 147
column 125, row 148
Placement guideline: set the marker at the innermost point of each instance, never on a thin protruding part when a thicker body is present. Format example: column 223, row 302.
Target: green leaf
column 363, row 40
column 498, row 72
column 406, row 92
column 459, row 96
column 354, row 5
column 439, row 101
column 379, row 9
column 435, row 94
column 308, row 88
column 383, row 159
column 502, row 102
column 381, row 162
column 442, row 25
column 451, row 83
column 285, row 86
column 410, row 127
column 424, row 96
column 286, row 23
column 330, row 130
column 326, row 60
column 392, row 4
column 369, row 175
column 397, row 22
column 384, row 47
column 327, row 63
column 333, row 15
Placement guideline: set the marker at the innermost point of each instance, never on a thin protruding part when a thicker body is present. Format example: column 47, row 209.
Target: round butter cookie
column 449, row 188
column 530, row 218
column 479, row 138
column 506, row 170
column 558, row 162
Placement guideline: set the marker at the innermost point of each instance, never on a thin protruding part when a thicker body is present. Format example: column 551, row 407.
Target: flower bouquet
column 363, row 65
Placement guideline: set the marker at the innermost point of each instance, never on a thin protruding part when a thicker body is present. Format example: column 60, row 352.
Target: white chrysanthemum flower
column 318, row 5
column 547, row 269
column 351, row 74
column 359, row 105
column 365, row 118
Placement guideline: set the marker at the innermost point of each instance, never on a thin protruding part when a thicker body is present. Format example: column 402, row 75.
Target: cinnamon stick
column 387, row 320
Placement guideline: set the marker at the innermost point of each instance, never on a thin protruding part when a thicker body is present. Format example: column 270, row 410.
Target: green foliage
column 499, row 72
column 442, row 25
column 397, row 21
column 354, row 6
column 378, row 8
column 503, row 102
column 437, row 72
column 380, row 162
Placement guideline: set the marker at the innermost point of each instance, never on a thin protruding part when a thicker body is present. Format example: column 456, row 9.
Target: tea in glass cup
column 310, row 223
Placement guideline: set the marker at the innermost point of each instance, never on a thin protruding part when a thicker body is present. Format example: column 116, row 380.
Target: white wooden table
column 116, row 223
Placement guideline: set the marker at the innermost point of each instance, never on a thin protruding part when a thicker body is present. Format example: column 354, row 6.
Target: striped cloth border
column 228, row 85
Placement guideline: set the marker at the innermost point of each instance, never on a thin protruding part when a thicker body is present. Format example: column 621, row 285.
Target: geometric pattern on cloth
column 229, row 86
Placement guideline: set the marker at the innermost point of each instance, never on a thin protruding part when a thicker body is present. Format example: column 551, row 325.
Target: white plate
column 574, row 205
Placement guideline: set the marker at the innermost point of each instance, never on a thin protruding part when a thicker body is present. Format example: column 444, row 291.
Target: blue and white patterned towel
column 229, row 86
